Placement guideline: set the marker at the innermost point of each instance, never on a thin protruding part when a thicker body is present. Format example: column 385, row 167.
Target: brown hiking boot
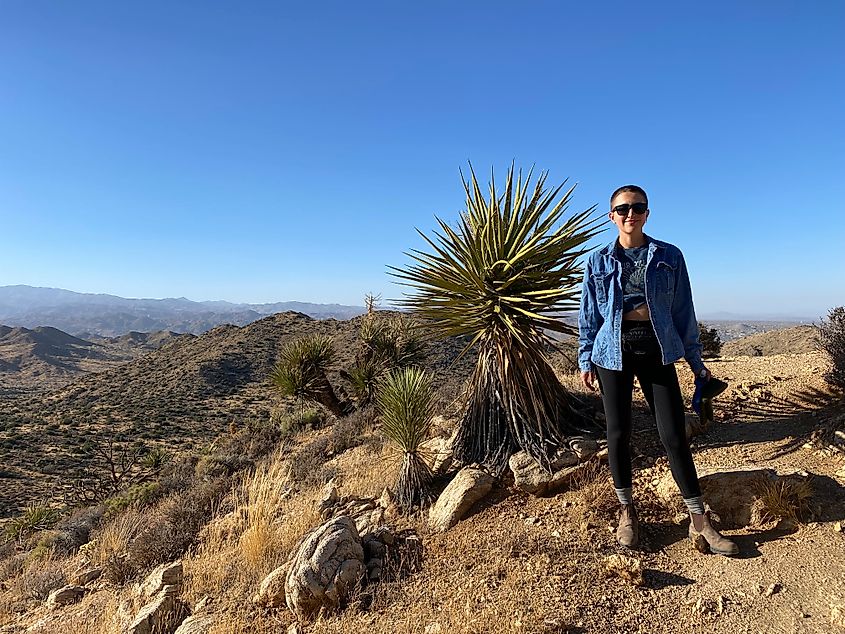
column 628, row 530
column 710, row 539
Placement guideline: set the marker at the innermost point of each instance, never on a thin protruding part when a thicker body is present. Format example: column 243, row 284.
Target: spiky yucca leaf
column 405, row 401
column 498, row 277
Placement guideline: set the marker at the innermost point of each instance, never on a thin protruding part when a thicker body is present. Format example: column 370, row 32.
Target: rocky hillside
column 179, row 396
column 302, row 536
column 795, row 340
column 46, row 358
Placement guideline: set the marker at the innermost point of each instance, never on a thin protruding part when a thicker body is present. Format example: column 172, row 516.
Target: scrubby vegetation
column 711, row 342
column 831, row 337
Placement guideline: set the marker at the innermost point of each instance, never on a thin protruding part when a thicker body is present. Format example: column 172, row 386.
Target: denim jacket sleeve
column 683, row 317
column 589, row 321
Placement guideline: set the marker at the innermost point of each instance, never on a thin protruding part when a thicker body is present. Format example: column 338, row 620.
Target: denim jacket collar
column 609, row 249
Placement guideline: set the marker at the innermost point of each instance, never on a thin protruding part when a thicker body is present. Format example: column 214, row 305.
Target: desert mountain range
column 111, row 316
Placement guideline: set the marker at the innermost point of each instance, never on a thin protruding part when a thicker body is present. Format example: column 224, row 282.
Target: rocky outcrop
column 164, row 610
column 163, row 614
column 468, row 487
column 534, row 479
column 65, row 595
column 197, row 624
column 738, row 494
column 167, row 574
column 326, row 565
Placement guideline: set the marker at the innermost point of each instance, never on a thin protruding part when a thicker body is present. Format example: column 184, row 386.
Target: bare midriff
column 640, row 313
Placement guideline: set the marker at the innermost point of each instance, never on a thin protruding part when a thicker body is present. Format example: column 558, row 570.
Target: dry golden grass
column 238, row 550
column 787, row 498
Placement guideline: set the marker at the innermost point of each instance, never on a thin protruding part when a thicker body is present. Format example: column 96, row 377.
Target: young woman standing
column 637, row 319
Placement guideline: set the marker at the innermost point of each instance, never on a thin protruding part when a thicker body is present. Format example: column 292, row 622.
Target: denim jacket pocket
column 602, row 282
column 665, row 278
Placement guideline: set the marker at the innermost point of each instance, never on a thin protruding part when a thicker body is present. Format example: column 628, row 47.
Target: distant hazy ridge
column 85, row 314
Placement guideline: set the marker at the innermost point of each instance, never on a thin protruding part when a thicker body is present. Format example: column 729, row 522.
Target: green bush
column 34, row 518
column 711, row 342
column 831, row 339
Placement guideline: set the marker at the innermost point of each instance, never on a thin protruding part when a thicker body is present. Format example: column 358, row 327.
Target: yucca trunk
column 325, row 395
column 413, row 481
column 516, row 402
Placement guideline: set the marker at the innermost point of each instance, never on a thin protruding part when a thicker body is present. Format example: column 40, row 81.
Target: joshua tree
column 302, row 371
column 502, row 276
column 405, row 401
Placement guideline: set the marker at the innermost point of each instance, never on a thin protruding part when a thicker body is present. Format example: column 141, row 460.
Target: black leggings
column 641, row 358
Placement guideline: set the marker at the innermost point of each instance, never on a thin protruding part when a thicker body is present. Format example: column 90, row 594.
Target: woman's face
column 632, row 223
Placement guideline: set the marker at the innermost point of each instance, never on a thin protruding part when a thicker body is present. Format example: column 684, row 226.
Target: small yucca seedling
column 34, row 518
column 405, row 401
column 302, row 372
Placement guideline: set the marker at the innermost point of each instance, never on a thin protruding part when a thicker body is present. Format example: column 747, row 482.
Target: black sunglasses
column 637, row 208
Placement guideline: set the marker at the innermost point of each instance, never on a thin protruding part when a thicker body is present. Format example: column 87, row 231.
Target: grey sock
column 695, row 505
column 626, row 495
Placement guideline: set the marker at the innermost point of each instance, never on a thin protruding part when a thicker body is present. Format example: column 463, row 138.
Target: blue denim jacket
column 669, row 299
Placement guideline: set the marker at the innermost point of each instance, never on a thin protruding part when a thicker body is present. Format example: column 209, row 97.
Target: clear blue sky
column 271, row 151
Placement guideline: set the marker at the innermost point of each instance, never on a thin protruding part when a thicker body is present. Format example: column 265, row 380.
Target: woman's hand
column 588, row 379
column 705, row 376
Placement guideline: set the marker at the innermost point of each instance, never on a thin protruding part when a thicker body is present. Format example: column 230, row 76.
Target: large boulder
column 326, row 565
column 468, row 487
column 534, row 479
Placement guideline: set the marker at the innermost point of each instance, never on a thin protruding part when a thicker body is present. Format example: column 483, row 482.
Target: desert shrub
column 34, row 518
column 831, row 339
column 134, row 542
column 300, row 419
column 711, row 342
column 308, row 464
column 172, row 526
column 75, row 530
column 38, row 577
column 138, row 495
column 348, row 432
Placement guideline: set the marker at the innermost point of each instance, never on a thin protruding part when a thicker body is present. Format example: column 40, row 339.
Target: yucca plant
column 302, row 372
column 387, row 343
column 405, row 403
column 502, row 276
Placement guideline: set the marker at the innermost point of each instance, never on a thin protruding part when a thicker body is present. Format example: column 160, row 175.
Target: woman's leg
column 660, row 387
column 616, row 387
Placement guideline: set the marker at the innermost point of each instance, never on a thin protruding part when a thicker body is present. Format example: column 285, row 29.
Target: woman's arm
column 683, row 317
column 589, row 320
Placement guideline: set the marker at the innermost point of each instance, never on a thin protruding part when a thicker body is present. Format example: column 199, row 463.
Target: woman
column 637, row 319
